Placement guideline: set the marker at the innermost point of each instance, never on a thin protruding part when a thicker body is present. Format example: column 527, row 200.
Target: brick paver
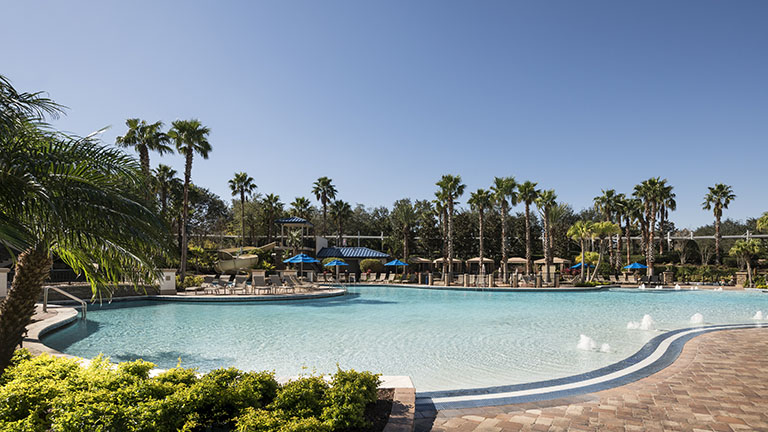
column 719, row 383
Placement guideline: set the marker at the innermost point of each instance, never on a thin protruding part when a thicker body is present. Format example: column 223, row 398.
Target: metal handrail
column 65, row 294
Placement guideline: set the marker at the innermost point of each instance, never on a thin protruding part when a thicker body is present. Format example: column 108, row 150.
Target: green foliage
column 189, row 281
column 588, row 284
column 689, row 273
column 374, row 265
column 50, row 393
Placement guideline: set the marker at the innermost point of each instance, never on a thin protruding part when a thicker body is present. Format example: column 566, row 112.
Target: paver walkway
column 719, row 383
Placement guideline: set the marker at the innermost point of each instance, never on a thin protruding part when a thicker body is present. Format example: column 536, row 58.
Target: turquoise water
column 443, row 340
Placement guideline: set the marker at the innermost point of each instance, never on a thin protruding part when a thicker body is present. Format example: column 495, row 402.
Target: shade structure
column 517, row 260
column 300, row 258
column 336, row 263
column 475, row 260
column 579, row 266
column 396, row 262
column 555, row 260
column 635, row 266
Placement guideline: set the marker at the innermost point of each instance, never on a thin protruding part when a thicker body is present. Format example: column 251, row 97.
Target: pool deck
column 718, row 383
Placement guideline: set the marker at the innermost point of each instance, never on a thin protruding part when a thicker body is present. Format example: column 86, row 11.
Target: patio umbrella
column 336, row 263
column 396, row 263
column 579, row 266
column 635, row 266
column 300, row 259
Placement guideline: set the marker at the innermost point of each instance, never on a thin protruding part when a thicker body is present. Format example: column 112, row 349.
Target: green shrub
column 347, row 398
column 587, row 284
column 189, row 281
column 373, row 265
column 49, row 393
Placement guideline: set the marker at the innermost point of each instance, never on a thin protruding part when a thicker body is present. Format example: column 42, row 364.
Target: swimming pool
column 442, row 339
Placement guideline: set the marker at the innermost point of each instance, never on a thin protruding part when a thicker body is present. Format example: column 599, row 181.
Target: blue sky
column 385, row 97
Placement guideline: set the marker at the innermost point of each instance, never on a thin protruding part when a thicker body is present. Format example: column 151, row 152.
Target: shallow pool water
column 442, row 339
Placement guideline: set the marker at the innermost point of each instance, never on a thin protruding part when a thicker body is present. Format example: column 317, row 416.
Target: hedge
column 51, row 393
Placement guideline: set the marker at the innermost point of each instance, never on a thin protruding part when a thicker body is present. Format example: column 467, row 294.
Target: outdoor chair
column 207, row 281
column 238, row 284
column 259, row 285
column 299, row 284
column 391, row 278
column 277, row 283
column 289, row 285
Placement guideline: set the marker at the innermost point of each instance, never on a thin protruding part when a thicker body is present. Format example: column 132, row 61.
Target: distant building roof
column 293, row 220
column 350, row 252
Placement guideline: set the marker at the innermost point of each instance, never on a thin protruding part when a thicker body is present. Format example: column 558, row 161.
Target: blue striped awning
column 293, row 220
column 350, row 252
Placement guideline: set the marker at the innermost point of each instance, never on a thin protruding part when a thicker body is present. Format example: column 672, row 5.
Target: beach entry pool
column 442, row 339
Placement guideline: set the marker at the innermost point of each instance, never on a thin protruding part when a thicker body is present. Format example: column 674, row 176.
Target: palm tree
column 668, row 204
column 242, row 184
column 403, row 219
column 762, row 222
column 80, row 201
column 451, row 189
column 607, row 204
column 441, row 208
column 340, row 211
column 301, row 207
column 144, row 138
column 324, row 192
column 480, row 201
column 272, row 207
column 630, row 210
column 504, row 193
column 603, row 230
column 527, row 194
column 545, row 202
column 164, row 176
column 650, row 193
column 746, row 250
column 190, row 137
column 717, row 199
column 581, row 231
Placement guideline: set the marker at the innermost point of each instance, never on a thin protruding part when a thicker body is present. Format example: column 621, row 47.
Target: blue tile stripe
column 424, row 400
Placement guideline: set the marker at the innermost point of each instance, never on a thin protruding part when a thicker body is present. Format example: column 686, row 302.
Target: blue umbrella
column 396, row 263
column 579, row 266
column 336, row 263
column 635, row 266
column 300, row 259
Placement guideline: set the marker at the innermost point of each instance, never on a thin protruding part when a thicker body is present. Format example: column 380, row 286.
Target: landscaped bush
column 189, row 281
column 587, row 284
column 50, row 393
column 373, row 265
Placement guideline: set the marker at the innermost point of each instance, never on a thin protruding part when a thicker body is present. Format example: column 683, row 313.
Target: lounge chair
column 382, row 278
column 239, row 284
column 391, row 278
column 299, row 284
column 289, row 285
column 259, row 285
column 277, row 283
column 207, row 281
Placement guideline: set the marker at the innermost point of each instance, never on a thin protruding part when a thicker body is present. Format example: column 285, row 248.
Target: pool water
column 441, row 339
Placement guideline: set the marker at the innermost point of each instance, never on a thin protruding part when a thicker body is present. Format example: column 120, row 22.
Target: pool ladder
column 83, row 305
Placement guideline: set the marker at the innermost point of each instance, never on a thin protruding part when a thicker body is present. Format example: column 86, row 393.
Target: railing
column 65, row 294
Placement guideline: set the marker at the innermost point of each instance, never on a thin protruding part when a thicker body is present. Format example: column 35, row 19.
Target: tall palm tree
column 527, row 194
column 504, row 193
column 602, row 231
column 717, row 199
column 242, row 184
column 272, row 207
column 403, row 219
column 481, row 200
column 668, row 204
column 340, row 212
column 301, row 207
column 190, row 137
column 441, row 208
column 581, row 231
column 164, row 176
column 650, row 193
column 545, row 201
column 607, row 204
column 143, row 138
column 451, row 189
column 80, row 201
column 324, row 191
column 746, row 250
column 631, row 211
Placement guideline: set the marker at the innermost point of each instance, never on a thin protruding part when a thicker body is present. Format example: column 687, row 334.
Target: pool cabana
column 473, row 265
column 457, row 264
column 558, row 264
column 420, row 264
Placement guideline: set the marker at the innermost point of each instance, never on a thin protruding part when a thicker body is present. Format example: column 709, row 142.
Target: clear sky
column 385, row 97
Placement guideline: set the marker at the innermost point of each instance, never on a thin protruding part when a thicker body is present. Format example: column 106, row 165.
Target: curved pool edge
column 494, row 289
column 62, row 316
column 657, row 354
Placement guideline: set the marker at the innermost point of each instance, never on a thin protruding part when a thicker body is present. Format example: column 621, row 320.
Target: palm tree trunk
column 144, row 160
column 717, row 239
column 32, row 269
column 583, row 275
column 450, row 237
column 599, row 260
column 749, row 271
column 481, row 240
column 185, row 215
column 650, row 258
column 242, row 217
column 405, row 245
column 629, row 243
column 547, row 251
column 528, row 263
column 325, row 215
column 504, row 241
